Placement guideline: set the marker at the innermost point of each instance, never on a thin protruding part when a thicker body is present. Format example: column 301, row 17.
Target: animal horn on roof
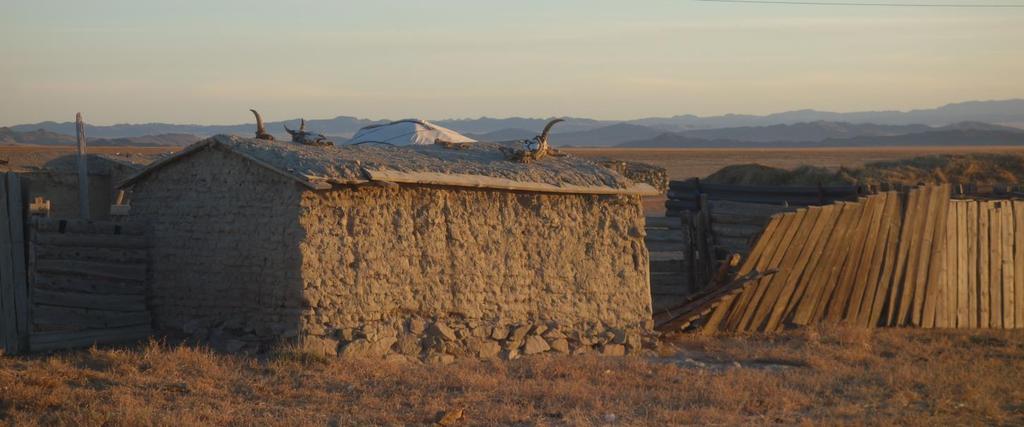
column 307, row 138
column 547, row 129
column 261, row 132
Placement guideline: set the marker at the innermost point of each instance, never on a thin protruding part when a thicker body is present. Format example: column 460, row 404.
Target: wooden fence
column 14, row 311
column 892, row 259
column 88, row 283
column 668, row 243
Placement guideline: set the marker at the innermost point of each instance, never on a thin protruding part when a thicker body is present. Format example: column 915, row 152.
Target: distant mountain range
column 44, row 137
column 795, row 128
column 945, row 137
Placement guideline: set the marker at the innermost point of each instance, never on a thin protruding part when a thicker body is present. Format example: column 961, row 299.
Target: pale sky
column 209, row 61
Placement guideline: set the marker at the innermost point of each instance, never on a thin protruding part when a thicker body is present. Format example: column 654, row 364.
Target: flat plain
column 683, row 163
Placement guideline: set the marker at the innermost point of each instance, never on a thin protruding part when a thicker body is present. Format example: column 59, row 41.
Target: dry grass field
column 683, row 163
column 823, row 376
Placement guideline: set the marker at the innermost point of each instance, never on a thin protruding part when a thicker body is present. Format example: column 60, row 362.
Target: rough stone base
column 446, row 339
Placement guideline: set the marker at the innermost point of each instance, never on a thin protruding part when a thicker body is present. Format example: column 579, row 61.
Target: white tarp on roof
column 407, row 132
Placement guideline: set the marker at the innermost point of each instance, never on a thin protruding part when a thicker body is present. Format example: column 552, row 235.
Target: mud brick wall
column 224, row 256
column 376, row 257
column 245, row 259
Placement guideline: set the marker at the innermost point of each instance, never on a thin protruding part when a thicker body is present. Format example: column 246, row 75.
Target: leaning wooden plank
column 48, row 341
column 866, row 281
column 945, row 312
column 984, row 252
column 830, row 215
column 995, row 291
column 933, row 286
column 841, row 264
column 863, row 274
column 803, row 311
column 1018, row 262
column 710, row 303
column 962, row 258
column 8, row 313
column 787, row 267
column 850, row 266
column 136, row 272
column 894, row 225
column 112, row 302
column 809, row 251
column 725, row 305
column 87, row 319
column 88, row 241
column 17, row 226
column 758, row 290
column 1006, row 219
column 973, row 224
column 757, row 261
column 925, row 258
column 906, row 264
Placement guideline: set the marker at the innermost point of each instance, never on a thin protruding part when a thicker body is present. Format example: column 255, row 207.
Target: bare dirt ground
column 823, row 376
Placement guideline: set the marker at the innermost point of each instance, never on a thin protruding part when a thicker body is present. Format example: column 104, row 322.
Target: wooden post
column 83, row 170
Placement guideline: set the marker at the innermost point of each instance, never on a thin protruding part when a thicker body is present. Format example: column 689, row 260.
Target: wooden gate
column 87, row 283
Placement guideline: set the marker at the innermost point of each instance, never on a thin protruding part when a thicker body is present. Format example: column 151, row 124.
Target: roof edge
column 477, row 181
column 309, row 182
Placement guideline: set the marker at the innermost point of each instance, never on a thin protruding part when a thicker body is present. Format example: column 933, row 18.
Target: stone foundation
column 447, row 339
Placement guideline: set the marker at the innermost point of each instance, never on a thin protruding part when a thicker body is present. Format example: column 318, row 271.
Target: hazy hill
column 45, row 137
column 940, row 137
column 1005, row 112
column 812, row 131
column 800, row 125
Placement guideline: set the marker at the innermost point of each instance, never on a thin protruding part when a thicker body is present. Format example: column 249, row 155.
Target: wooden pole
column 83, row 170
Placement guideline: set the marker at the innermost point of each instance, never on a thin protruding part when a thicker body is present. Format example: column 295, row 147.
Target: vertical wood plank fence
column 892, row 259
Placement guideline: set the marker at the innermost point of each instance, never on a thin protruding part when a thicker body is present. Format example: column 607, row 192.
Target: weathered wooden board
column 906, row 264
column 674, row 223
column 754, row 261
column 63, row 340
column 757, row 293
column 8, row 311
column 81, row 319
column 816, row 283
column 893, row 223
column 973, row 224
column 1018, row 257
column 664, row 235
column 866, row 279
column 937, row 259
column 995, row 291
column 91, row 240
column 111, row 302
column 16, row 210
column 1006, row 220
column 123, row 271
column 983, row 264
column 962, row 282
column 809, row 250
column 787, row 267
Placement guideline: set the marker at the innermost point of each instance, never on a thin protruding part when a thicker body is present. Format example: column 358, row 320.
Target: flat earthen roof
column 479, row 165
